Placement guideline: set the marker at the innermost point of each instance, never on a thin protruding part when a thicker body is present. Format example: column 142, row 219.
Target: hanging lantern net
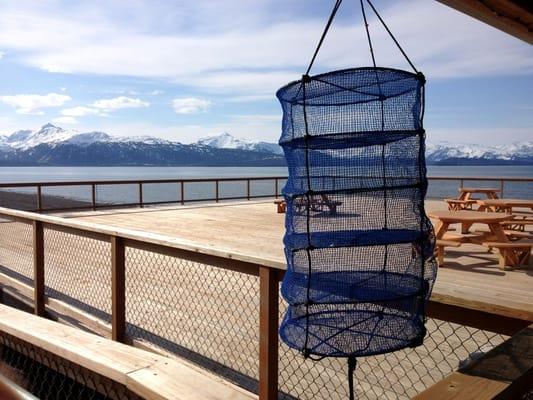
column 358, row 243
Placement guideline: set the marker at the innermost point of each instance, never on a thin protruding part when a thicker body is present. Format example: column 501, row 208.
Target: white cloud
column 252, row 58
column 66, row 120
column 2, row 54
column 190, row 105
column 33, row 103
column 119, row 103
column 80, row 111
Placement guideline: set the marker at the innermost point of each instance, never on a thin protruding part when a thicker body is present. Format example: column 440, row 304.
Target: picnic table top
column 506, row 202
column 478, row 190
column 469, row 216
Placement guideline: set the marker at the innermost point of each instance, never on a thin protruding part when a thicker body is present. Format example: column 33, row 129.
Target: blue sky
column 182, row 70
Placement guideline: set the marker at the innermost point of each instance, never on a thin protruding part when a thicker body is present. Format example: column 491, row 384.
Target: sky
column 182, row 70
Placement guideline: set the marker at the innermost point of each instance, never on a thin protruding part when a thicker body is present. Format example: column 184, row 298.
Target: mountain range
column 53, row 145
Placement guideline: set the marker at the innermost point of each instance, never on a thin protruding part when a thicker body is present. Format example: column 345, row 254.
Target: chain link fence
column 210, row 315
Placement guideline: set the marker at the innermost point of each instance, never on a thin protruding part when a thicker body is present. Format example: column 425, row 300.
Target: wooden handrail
column 269, row 271
column 93, row 204
column 505, row 372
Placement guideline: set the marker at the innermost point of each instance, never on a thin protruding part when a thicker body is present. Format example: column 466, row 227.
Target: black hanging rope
column 352, row 363
column 391, row 35
column 326, row 29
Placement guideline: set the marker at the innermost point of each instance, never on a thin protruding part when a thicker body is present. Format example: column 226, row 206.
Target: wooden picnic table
column 511, row 253
column 503, row 205
column 465, row 193
column 467, row 219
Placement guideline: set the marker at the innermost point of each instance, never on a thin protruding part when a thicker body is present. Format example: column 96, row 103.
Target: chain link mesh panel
column 398, row 375
column 16, row 249
column 207, row 314
column 50, row 377
column 78, row 271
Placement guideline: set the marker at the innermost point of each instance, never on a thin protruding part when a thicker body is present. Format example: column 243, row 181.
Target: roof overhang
column 514, row 17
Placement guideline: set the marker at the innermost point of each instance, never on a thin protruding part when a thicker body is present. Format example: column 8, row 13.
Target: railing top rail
column 227, row 179
column 136, row 181
column 90, row 229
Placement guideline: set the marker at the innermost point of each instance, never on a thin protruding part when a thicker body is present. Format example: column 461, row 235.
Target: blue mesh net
column 358, row 243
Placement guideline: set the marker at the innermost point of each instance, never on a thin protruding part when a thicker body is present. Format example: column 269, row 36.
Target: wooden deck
column 215, row 312
column 470, row 278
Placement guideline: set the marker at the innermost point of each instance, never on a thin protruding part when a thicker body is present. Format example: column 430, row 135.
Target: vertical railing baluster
column 141, row 195
column 39, row 198
column 38, row 268
column 248, row 189
column 182, row 191
column 216, row 190
column 276, row 187
column 118, row 290
column 268, row 333
column 93, row 196
column 501, row 188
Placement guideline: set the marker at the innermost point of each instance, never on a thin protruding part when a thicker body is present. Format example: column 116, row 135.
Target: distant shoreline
column 28, row 201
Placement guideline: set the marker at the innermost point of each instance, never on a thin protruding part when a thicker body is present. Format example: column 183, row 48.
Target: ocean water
column 171, row 192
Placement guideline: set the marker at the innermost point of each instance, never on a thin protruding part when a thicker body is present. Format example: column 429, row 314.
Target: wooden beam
column 504, row 15
column 38, row 268
column 475, row 318
column 118, row 313
column 268, row 334
column 505, row 372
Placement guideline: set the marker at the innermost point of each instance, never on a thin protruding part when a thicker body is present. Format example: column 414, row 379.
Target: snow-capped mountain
column 53, row 145
column 446, row 152
column 227, row 141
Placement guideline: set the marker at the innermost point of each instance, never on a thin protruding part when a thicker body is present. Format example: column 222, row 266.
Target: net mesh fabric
column 358, row 244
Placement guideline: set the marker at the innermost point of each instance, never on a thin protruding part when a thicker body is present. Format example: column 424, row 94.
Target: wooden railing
column 181, row 184
column 270, row 273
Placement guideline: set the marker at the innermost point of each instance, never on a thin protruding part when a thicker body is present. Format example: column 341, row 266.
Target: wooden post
column 118, row 313
column 216, row 190
column 140, row 194
column 182, row 190
column 38, row 268
column 248, row 189
column 268, row 334
column 276, row 187
column 93, row 196
column 39, row 198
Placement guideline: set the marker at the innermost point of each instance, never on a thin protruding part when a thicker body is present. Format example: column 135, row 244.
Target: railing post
column 93, row 196
column 118, row 313
column 276, row 187
column 248, row 189
column 140, row 194
column 216, row 190
column 268, row 334
column 38, row 268
column 182, row 192
column 39, row 198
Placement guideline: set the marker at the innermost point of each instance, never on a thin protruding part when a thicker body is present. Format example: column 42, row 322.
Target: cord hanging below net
column 358, row 243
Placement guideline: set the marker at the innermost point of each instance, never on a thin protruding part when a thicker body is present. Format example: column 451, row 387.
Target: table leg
column 441, row 229
column 465, row 226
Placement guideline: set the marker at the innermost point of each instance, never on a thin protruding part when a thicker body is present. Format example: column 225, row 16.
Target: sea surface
column 170, row 192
